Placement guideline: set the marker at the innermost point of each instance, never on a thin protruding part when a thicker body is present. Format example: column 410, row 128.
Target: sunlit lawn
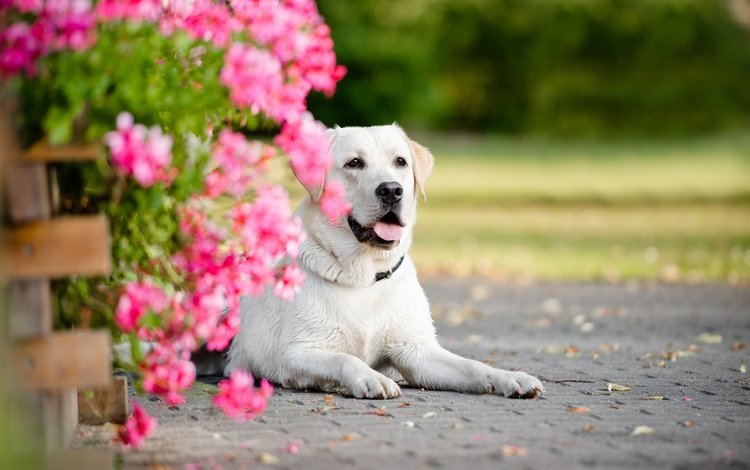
column 569, row 210
column 690, row 242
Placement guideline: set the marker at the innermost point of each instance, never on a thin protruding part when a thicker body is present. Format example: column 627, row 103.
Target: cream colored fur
column 344, row 332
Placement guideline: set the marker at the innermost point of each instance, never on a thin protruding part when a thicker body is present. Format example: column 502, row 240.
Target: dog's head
column 382, row 170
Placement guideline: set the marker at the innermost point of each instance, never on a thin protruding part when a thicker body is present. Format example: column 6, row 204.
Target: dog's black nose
column 389, row 193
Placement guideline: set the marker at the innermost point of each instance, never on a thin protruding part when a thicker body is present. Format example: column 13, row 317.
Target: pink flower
column 205, row 20
column 28, row 6
column 74, row 23
column 239, row 399
column 138, row 298
column 165, row 373
column 266, row 226
column 136, row 10
column 317, row 63
column 137, row 428
column 289, row 282
column 256, row 81
column 296, row 34
column 143, row 154
column 225, row 330
column 59, row 25
column 236, row 163
column 20, row 47
column 332, row 202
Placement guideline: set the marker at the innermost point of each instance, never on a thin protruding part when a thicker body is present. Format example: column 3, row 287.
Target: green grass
column 574, row 210
column 693, row 242
column 495, row 170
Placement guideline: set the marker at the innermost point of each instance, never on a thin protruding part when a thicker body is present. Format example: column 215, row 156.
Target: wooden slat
column 63, row 360
column 60, row 247
column 60, row 418
column 43, row 421
column 109, row 405
column 27, row 192
column 30, row 308
column 43, row 152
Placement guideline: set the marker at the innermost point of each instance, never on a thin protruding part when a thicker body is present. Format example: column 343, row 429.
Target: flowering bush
column 184, row 95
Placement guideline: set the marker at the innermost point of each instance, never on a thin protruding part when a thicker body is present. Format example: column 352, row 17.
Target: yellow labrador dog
column 361, row 321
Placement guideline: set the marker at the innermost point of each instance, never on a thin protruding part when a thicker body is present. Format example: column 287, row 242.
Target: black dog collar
column 387, row 274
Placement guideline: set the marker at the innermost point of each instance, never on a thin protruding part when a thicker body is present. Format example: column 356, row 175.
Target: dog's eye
column 355, row 163
column 400, row 161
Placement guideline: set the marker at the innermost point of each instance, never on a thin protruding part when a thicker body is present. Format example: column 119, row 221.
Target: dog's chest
column 364, row 325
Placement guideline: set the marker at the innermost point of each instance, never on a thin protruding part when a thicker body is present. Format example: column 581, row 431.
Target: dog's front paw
column 514, row 385
column 375, row 385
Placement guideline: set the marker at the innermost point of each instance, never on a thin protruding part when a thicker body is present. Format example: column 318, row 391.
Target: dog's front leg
column 432, row 367
column 313, row 367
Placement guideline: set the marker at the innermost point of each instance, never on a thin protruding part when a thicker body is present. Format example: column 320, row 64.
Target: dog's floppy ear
column 315, row 188
column 423, row 163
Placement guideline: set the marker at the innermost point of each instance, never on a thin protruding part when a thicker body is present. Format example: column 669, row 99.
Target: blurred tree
column 388, row 49
column 565, row 67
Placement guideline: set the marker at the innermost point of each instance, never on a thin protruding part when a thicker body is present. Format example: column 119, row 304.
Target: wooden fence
column 48, row 367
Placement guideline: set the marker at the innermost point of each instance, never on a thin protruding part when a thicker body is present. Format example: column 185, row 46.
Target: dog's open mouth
column 385, row 232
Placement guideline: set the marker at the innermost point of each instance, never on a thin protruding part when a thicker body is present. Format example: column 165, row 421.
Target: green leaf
column 135, row 348
column 58, row 125
column 151, row 320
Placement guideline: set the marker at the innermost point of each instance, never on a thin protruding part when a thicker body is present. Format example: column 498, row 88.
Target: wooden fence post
column 47, row 366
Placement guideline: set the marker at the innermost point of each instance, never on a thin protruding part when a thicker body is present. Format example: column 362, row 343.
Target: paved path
column 680, row 349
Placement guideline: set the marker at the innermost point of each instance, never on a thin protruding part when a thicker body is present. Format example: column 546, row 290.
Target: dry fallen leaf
column 404, row 404
column 738, row 346
column 613, row 387
column 743, row 369
column 429, row 414
column 380, row 412
column 687, row 353
column 686, row 424
column 709, row 338
column 550, row 349
column 656, row 397
column 609, row 347
column 588, row 427
column 539, row 323
column 513, row 451
column 268, row 459
column 577, row 409
column 329, row 399
column 571, row 351
column 642, row 431
column 351, row 437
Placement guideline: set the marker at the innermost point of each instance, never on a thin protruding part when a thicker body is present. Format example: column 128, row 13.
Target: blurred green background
column 574, row 139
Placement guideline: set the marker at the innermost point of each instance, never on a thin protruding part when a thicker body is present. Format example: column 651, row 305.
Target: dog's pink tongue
column 388, row 232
